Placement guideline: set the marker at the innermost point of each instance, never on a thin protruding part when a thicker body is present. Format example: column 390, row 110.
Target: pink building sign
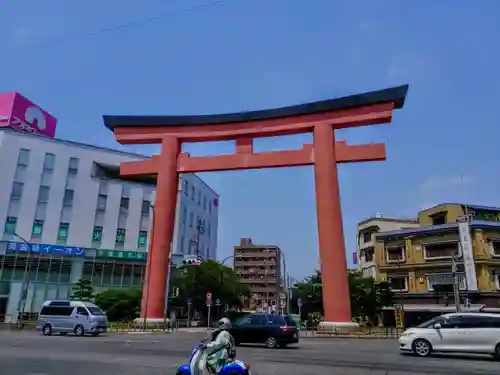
column 19, row 113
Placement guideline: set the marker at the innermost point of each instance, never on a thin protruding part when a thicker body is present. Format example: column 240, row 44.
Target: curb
column 327, row 336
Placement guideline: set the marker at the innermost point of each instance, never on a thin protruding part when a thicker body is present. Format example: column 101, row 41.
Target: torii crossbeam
column 320, row 118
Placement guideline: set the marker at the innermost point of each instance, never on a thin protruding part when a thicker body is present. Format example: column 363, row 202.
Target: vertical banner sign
column 354, row 258
column 208, row 299
column 466, row 245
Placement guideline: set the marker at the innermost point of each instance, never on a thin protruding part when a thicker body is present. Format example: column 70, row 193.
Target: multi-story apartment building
column 366, row 233
column 259, row 266
column 66, row 202
column 418, row 261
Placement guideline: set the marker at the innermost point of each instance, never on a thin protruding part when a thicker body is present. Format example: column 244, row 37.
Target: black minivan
column 272, row 330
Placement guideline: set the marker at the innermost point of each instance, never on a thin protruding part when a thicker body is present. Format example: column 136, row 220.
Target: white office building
column 67, row 198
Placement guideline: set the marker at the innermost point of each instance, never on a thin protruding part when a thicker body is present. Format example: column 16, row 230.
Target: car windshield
column 430, row 323
column 95, row 310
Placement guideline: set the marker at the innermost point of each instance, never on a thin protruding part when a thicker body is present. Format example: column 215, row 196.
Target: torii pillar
column 320, row 118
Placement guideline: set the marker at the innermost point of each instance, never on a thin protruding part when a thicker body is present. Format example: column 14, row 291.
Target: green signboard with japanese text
column 122, row 255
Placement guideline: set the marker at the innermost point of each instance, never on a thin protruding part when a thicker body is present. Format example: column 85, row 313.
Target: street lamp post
column 285, row 280
column 148, row 267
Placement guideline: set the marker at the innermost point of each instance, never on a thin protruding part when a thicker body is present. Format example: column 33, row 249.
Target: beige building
column 418, row 261
column 259, row 266
column 365, row 239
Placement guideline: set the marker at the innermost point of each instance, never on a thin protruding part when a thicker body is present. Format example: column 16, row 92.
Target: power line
column 126, row 25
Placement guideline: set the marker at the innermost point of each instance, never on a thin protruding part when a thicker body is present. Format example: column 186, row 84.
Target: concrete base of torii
column 337, row 327
column 159, row 323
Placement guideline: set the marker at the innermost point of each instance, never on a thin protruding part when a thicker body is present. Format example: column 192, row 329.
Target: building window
column 23, row 159
column 368, row 253
column 62, row 233
column 209, row 230
column 199, row 197
column 10, row 225
column 446, row 279
column 146, row 206
column 97, row 234
column 399, row 283
column 68, row 197
column 494, row 247
column 496, row 279
column 48, row 163
column 120, row 236
column 37, row 229
column 367, row 237
column 439, row 219
column 210, row 208
column 442, row 250
column 17, row 190
column 395, row 254
column 43, row 194
column 124, row 203
column 183, row 215
column 191, row 219
column 101, row 202
column 186, row 188
column 193, row 193
column 142, row 239
column 204, row 202
column 73, row 165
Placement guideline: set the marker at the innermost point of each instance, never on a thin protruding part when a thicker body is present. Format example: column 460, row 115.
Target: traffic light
column 191, row 260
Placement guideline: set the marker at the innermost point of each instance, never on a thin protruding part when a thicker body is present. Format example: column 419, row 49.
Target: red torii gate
column 321, row 118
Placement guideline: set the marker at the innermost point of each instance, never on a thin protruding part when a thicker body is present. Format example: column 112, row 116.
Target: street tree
column 210, row 276
column 82, row 290
column 121, row 304
column 368, row 296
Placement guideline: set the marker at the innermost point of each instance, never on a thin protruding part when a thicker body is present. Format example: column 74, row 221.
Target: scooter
column 233, row 367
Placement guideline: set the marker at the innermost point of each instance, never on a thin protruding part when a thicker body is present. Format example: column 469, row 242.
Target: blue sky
column 79, row 60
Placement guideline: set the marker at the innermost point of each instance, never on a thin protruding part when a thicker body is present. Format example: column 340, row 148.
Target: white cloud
column 440, row 183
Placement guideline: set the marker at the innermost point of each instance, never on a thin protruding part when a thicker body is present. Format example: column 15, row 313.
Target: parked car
column 477, row 333
column 76, row 317
column 268, row 329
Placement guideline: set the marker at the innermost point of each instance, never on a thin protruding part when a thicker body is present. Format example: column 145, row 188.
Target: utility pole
column 456, row 286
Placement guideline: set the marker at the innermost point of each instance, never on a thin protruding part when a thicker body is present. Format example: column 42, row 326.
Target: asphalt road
column 28, row 353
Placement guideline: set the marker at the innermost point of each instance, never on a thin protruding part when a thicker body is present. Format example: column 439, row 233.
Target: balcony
column 445, row 279
column 395, row 254
column 253, row 280
column 442, row 250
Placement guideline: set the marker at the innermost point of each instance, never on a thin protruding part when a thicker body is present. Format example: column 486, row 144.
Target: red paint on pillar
column 336, row 298
column 153, row 297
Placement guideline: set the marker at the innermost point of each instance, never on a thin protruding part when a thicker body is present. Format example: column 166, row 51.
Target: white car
column 477, row 333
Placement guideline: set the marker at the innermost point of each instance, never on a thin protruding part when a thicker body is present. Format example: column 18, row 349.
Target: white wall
column 86, row 190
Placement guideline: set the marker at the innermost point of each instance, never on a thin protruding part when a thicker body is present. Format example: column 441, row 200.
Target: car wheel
column 47, row 330
column 79, row 331
column 271, row 342
column 497, row 352
column 421, row 347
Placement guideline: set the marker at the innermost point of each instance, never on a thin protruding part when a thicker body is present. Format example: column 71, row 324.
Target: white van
column 76, row 317
column 476, row 333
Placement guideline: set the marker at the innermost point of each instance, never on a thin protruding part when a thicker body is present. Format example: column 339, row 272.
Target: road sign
column 208, row 299
column 217, row 302
column 299, row 302
column 282, row 296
